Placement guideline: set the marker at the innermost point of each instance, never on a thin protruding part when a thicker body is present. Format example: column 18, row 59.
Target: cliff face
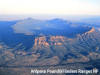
column 47, row 42
column 90, row 31
column 41, row 41
column 0, row 46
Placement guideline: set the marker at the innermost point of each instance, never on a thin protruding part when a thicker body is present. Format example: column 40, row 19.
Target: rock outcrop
column 90, row 31
column 48, row 41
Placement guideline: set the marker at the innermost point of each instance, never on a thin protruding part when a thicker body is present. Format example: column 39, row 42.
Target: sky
column 49, row 8
column 59, row 7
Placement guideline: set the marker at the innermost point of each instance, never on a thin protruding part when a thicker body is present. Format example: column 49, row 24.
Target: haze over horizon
column 48, row 8
column 65, row 7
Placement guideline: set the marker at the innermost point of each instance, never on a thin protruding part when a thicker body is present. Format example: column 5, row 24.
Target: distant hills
column 57, row 26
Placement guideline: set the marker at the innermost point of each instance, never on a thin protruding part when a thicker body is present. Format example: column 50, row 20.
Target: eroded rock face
column 90, row 31
column 41, row 41
column 47, row 42
column 0, row 46
column 57, row 40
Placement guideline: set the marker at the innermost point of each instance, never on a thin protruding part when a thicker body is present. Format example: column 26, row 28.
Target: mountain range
column 32, row 42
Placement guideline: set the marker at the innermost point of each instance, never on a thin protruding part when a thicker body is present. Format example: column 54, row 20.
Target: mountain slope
column 50, row 44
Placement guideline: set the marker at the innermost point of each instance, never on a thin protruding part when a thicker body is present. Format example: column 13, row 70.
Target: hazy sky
column 59, row 7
